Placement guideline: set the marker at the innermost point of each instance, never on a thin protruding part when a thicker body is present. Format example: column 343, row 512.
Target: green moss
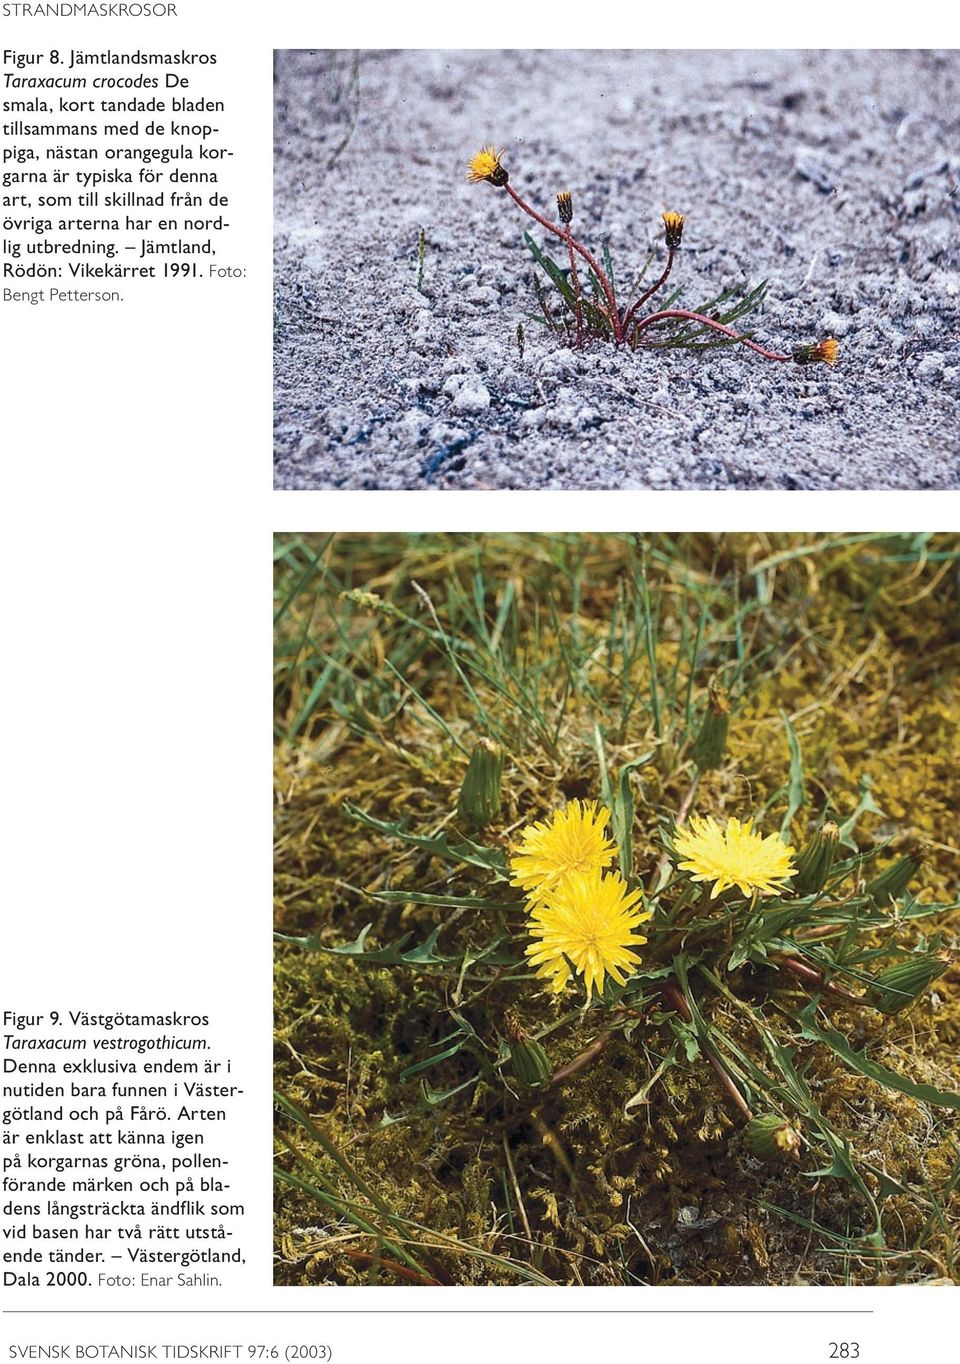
column 855, row 642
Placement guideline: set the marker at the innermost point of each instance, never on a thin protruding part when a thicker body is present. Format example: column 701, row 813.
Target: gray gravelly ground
column 832, row 174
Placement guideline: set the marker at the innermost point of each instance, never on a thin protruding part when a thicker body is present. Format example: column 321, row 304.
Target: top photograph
column 659, row 270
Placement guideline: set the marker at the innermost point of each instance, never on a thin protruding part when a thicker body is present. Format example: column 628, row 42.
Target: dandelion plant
column 726, row 924
column 596, row 313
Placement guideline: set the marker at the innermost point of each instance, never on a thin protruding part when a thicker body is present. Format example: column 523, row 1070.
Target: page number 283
column 844, row 1349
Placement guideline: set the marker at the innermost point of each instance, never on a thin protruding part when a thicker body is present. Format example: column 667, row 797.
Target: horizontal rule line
column 444, row 1312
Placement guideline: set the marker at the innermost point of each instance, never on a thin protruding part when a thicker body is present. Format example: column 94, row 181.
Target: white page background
column 138, row 514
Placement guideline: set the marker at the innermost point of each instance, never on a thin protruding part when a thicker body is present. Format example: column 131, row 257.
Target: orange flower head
column 486, row 166
column 823, row 351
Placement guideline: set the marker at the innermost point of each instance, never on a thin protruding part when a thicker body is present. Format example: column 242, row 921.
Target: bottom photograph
column 616, row 909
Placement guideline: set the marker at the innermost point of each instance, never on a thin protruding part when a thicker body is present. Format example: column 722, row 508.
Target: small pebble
column 473, row 397
column 810, row 165
column 930, row 368
column 833, row 324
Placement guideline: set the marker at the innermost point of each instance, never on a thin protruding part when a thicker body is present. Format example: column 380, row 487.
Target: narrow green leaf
column 462, row 852
column 608, row 267
column 426, row 951
column 557, row 276
column 796, row 795
column 872, row 1069
column 865, row 805
column 642, row 1095
column 432, row 1098
column 419, row 897
column 430, row 1061
column 623, row 809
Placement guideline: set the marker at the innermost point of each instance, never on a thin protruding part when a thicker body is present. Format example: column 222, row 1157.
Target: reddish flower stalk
column 814, row 979
column 364, row 1257
column 611, row 308
column 675, row 1000
column 705, row 321
column 649, row 293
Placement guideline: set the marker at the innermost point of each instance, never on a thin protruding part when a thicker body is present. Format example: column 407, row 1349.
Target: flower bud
column 709, row 744
column 816, row 859
column 479, row 800
column 528, row 1060
column 565, row 207
column 673, row 229
column 770, row 1137
column 899, row 985
column 893, row 880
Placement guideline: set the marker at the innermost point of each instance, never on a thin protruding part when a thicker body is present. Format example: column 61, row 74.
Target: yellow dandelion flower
column 733, row 856
column 825, row 351
column 587, row 920
column 486, row 166
column 570, row 841
column 673, row 222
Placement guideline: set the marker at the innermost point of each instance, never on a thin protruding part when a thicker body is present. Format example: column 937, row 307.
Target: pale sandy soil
column 834, row 175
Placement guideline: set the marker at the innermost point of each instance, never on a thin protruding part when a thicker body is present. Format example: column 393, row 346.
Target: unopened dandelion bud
column 816, row 859
column 529, row 1063
column 770, row 1137
column 673, row 229
column 822, row 352
column 565, row 207
column 893, row 880
column 528, row 1060
column 710, row 742
column 899, row 985
column 479, row 800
